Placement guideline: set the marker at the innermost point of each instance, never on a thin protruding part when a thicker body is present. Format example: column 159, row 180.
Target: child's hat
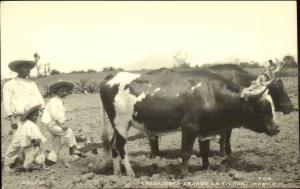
column 29, row 109
column 53, row 87
column 14, row 65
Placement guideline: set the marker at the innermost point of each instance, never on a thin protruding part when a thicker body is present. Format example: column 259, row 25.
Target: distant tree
column 46, row 91
column 49, row 68
column 236, row 61
column 91, row 70
column 37, row 65
column 256, row 65
column 290, row 61
column 108, row 69
column 180, row 61
column 249, row 65
column 77, row 71
column 205, row 65
column 54, row 72
column 45, row 70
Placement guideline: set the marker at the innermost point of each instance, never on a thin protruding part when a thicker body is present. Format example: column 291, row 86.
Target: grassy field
column 257, row 160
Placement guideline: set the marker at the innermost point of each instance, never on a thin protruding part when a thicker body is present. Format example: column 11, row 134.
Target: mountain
column 233, row 59
column 152, row 61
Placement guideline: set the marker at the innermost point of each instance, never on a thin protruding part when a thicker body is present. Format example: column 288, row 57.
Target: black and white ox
column 202, row 103
column 240, row 79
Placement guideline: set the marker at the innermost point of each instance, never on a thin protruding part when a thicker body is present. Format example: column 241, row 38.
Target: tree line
column 180, row 61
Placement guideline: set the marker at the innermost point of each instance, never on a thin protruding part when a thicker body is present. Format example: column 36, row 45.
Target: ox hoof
column 205, row 167
column 228, row 153
column 154, row 155
column 184, row 173
column 222, row 154
column 132, row 175
column 118, row 173
column 229, row 157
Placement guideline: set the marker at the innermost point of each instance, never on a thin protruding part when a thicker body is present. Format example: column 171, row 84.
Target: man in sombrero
column 18, row 93
column 54, row 117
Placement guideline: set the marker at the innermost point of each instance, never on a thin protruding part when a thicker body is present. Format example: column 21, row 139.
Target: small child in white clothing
column 54, row 117
column 31, row 138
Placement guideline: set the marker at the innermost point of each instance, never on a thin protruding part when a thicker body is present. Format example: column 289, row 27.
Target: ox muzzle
column 272, row 129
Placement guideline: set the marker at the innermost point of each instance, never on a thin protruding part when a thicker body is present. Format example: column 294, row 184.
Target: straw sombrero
column 53, row 87
column 29, row 110
column 14, row 65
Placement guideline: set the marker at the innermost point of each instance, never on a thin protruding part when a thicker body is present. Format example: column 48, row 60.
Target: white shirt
column 28, row 132
column 55, row 111
column 18, row 93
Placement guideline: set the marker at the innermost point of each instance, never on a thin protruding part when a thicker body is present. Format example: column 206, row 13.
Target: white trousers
column 14, row 149
column 29, row 154
column 33, row 155
column 60, row 137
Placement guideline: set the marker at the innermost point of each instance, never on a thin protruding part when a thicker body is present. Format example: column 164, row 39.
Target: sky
column 73, row 35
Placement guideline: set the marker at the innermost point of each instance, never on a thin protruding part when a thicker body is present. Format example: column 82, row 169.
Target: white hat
column 29, row 109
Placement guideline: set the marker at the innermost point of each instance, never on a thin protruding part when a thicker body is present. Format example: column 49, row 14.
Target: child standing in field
column 54, row 117
column 31, row 139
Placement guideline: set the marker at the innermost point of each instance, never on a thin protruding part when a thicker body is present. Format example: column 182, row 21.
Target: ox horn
column 257, row 93
column 280, row 68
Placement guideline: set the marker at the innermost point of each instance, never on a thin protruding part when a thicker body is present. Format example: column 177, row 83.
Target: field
column 257, row 160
